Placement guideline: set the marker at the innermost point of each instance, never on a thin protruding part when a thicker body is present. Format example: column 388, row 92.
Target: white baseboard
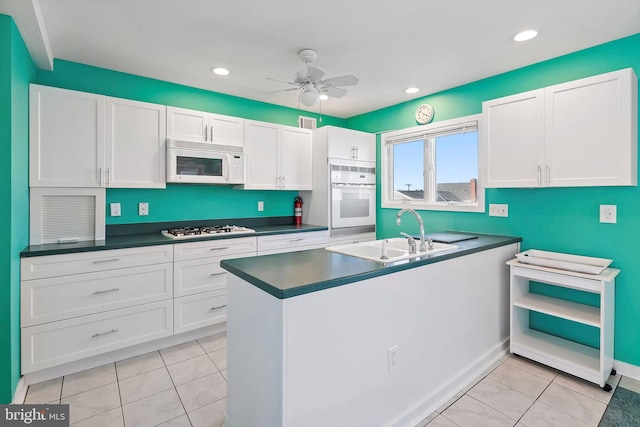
column 121, row 354
column 21, row 392
column 627, row 369
column 457, row 384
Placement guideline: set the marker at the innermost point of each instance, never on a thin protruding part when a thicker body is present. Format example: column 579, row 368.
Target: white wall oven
column 353, row 199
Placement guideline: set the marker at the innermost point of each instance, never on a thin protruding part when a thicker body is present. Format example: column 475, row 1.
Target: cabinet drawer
column 201, row 275
column 292, row 241
column 63, row 297
column 55, row 343
column 197, row 311
column 211, row 248
column 88, row 262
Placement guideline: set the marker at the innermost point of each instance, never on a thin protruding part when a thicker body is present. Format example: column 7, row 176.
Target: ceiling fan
column 310, row 84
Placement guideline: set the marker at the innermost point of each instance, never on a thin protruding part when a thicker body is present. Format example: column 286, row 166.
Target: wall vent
column 307, row 122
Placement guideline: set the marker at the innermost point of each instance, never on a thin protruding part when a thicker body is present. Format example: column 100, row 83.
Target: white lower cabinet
column 196, row 311
column 290, row 242
column 74, row 306
column 592, row 364
column 55, row 343
column 58, row 298
column 200, row 284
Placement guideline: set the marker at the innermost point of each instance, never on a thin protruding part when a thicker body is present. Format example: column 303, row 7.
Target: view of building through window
column 453, row 174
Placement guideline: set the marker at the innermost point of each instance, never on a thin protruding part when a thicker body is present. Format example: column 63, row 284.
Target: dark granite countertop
column 154, row 238
column 296, row 273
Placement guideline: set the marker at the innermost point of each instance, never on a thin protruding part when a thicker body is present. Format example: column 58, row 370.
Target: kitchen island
column 317, row 338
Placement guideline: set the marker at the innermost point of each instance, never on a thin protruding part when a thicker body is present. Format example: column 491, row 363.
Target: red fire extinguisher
column 297, row 210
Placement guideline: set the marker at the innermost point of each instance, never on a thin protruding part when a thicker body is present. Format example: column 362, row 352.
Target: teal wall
column 555, row 219
column 16, row 70
column 182, row 202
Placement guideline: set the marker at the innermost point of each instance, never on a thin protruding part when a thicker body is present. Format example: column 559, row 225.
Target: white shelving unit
column 589, row 363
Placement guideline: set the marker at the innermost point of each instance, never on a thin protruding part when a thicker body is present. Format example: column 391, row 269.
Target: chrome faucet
column 423, row 246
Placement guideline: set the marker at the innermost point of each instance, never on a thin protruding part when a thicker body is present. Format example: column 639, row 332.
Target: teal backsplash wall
column 182, row 202
column 555, row 219
column 190, row 202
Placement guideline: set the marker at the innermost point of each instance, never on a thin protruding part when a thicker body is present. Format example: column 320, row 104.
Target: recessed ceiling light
column 220, row 71
column 412, row 90
column 524, row 35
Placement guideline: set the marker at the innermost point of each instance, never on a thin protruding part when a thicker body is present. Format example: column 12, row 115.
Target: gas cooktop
column 205, row 231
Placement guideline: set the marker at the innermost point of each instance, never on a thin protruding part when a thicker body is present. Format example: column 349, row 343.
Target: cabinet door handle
column 103, row 261
column 106, row 291
column 539, row 175
column 101, row 334
column 548, row 175
column 206, row 128
column 211, row 134
column 218, row 307
column 357, row 154
column 218, row 274
column 296, row 240
column 108, row 178
column 219, row 248
column 100, row 176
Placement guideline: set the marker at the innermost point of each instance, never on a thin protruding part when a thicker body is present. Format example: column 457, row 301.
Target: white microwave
column 204, row 163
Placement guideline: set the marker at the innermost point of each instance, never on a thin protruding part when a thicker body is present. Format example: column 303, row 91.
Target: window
column 436, row 167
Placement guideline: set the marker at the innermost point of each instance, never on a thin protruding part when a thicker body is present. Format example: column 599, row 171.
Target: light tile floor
column 180, row 386
column 185, row 386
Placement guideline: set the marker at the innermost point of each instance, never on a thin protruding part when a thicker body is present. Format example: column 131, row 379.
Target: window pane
column 408, row 171
column 456, row 167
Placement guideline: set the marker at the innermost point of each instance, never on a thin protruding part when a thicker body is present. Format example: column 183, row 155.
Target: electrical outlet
column 608, row 213
column 498, row 210
column 115, row 209
column 260, row 206
column 143, row 208
column 392, row 357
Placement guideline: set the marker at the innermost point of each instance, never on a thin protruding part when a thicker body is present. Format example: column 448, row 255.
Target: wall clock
column 424, row 114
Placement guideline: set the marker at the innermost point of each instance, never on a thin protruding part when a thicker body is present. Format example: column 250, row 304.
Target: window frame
column 422, row 133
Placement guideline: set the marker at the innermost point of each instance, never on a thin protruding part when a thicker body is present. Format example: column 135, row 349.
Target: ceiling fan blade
column 334, row 92
column 281, row 81
column 314, row 73
column 349, row 80
column 284, row 90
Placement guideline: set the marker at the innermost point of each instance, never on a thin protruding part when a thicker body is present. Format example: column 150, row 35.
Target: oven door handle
column 358, row 186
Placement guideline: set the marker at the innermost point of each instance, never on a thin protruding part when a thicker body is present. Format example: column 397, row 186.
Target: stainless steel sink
column 396, row 249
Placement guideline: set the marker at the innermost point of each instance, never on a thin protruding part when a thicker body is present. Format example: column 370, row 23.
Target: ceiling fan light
column 309, row 95
column 324, row 97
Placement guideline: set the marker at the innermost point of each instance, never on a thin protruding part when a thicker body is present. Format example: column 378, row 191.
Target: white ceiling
column 388, row 45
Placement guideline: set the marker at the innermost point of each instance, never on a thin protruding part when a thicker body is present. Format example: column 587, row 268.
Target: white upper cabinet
column 135, row 144
column 262, row 142
column 295, row 158
column 199, row 126
column 580, row 133
column 514, row 140
column 278, row 157
column 66, row 138
column 84, row 140
column 350, row 144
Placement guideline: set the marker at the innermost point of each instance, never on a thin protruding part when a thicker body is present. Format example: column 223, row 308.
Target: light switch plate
column 115, row 209
column 260, row 206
